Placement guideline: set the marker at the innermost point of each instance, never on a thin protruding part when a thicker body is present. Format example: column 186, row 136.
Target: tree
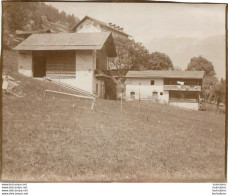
column 208, row 86
column 139, row 57
column 16, row 15
column 130, row 56
column 28, row 16
column 201, row 63
column 159, row 61
column 219, row 92
column 214, row 90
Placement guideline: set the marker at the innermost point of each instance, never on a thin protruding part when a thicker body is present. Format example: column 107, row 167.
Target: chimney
column 121, row 28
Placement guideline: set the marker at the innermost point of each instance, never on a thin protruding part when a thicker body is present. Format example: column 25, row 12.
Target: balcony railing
column 181, row 88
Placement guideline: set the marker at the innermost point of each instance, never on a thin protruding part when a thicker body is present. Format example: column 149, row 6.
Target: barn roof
column 165, row 74
column 99, row 22
column 69, row 41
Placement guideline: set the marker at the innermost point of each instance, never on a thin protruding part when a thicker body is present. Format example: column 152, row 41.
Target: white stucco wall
column 25, row 63
column 88, row 26
column 145, row 90
column 165, row 98
column 85, row 65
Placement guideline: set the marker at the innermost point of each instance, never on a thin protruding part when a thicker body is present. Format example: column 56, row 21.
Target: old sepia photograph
column 113, row 92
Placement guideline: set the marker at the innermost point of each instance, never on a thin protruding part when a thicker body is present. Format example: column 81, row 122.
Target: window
column 161, row 93
column 152, row 82
column 155, row 93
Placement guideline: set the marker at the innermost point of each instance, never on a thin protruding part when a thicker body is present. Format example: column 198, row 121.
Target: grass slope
column 9, row 60
column 50, row 140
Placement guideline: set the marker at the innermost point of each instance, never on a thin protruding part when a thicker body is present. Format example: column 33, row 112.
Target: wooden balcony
column 181, row 88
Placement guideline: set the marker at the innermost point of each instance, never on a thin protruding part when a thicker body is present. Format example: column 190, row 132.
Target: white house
column 178, row 88
column 89, row 24
column 73, row 58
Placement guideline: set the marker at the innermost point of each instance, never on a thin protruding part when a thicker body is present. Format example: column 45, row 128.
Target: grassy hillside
column 52, row 140
column 9, row 61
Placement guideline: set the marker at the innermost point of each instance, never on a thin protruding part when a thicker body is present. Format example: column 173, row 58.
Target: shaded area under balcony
column 184, row 96
column 183, row 100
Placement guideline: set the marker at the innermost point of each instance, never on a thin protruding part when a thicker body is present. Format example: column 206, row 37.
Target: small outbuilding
column 178, row 88
column 72, row 57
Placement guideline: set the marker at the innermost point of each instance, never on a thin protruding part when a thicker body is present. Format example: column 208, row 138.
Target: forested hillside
column 32, row 16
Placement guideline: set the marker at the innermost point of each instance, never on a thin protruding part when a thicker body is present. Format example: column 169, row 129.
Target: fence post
column 121, row 103
column 93, row 104
column 59, row 80
column 139, row 97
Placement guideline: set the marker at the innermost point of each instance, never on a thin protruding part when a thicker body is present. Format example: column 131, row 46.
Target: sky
column 180, row 30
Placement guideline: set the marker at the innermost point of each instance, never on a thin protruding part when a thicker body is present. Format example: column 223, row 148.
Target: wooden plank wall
column 61, row 64
column 101, row 59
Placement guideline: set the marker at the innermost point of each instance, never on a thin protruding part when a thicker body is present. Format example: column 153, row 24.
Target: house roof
column 69, row 41
column 99, row 22
column 165, row 74
column 55, row 27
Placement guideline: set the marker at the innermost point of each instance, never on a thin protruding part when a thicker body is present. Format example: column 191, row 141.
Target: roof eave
column 47, row 48
column 161, row 77
column 116, row 30
column 76, row 25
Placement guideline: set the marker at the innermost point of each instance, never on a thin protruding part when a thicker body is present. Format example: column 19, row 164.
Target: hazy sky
column 146, row 22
